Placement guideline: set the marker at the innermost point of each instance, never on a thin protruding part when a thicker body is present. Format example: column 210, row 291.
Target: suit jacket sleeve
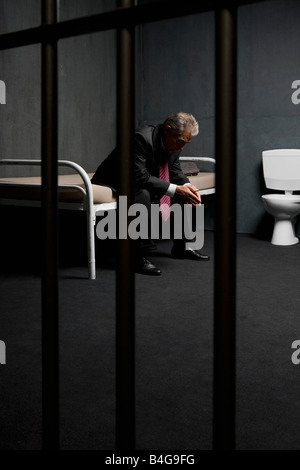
column 176, row 174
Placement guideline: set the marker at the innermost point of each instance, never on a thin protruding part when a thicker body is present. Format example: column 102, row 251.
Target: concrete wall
column 269, row 36
column 175, row 71
column 87, row 88
column 20, row 127
column 87, row 77
column 178, row 74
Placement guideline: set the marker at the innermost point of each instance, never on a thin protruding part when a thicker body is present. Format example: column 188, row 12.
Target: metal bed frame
column 92, row 209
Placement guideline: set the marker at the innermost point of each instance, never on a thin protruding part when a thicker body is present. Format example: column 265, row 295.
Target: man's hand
column 189, row 193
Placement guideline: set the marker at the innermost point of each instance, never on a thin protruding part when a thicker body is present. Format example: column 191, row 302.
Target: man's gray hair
column 181, row 121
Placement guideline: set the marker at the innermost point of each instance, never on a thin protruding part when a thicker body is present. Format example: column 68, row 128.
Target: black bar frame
column 225, row 233
column 125, row 280
column 118, row 18
column 49, row 150
column 124, row 19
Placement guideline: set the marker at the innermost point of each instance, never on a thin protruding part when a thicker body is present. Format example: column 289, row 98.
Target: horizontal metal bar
column 121, row 17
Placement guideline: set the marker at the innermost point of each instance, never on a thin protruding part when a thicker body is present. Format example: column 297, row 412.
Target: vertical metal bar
column 50, row 356
column 225, row 242
column 125, row 286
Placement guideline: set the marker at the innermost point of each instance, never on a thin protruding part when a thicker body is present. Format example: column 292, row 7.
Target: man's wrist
column 171, row 190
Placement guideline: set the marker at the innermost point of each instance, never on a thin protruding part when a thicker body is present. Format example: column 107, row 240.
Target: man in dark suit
column 155, row 147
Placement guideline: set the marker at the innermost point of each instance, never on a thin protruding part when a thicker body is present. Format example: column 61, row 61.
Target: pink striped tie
column 165, row 201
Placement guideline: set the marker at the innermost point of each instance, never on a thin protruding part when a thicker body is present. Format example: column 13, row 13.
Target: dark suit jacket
column 149, row 154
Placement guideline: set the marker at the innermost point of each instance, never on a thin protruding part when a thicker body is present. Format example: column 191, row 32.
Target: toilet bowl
column 281, row 168
column 284, row 208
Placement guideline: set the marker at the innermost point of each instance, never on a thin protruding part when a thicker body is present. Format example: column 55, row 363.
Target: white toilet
column 281, row 168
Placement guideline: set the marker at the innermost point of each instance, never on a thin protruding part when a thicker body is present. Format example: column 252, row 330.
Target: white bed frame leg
column 91, row 244
column 88, row 204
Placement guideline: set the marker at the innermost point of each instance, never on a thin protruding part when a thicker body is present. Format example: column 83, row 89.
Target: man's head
column 178, row 130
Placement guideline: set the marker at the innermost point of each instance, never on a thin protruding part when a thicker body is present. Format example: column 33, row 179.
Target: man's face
column 175, row 142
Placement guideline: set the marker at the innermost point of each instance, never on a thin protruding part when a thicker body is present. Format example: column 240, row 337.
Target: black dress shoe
column 144, row 266
column 188, row 254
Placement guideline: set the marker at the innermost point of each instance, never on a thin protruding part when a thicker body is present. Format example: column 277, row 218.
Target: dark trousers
column 145, row 246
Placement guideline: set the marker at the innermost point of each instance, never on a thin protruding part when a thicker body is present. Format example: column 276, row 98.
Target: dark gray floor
column 174, row 351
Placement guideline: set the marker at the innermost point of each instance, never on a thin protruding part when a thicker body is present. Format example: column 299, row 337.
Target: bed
column 76, row 192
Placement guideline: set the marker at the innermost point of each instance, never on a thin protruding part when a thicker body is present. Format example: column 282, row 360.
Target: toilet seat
column 283, row 197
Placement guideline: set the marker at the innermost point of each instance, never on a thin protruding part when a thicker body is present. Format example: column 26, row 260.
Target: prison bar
column 225, row 251
column 50, row 354
column 50, row 337
column 225, row 233
column 125, row 280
